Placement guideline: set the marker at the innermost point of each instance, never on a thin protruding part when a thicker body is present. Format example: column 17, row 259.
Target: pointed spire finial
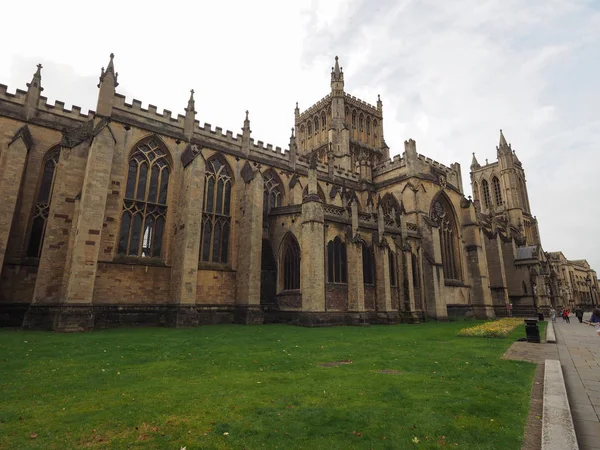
column 246, row 127
column 293, row 131
column 337, row 67
column 191, row 106
column 474, row 162
column 36, row 81
column 110, row 68
column 503, row 143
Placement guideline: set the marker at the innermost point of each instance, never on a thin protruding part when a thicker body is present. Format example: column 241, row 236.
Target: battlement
column 267, row 150
column 361, row 103
column 135, row 107
column 57, row 107
column 434, row 163
column 396, row 162
column 17, row 97
column 314, row 108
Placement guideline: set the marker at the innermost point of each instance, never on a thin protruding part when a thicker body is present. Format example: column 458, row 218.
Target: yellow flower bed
column 493, row 329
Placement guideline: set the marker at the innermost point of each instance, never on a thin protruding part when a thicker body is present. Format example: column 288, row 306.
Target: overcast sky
column 450, row 75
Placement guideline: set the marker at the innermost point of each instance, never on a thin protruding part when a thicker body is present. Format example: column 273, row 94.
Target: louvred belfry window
column 42, row 204
column 216, row 219
column 486, row 194
column 145, row 202
column 497, row 191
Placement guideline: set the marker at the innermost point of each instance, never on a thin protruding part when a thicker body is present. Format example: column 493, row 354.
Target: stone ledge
column 558, row 431
column 550, row 335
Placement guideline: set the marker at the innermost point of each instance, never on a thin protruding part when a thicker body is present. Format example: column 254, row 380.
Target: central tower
column 342, row 131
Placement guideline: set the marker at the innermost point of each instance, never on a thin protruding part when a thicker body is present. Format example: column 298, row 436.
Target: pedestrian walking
column 579, row 314
column 509, row 309
column 553, row 314
column 566, row 315
column 595, row 320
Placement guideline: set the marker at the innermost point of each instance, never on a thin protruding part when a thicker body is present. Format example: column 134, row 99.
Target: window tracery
column 216, row 217
column 273, row 192
column 368, row 260
column 42, row 204
column 291, row 264
column 497, row 191
column 337, row 271
column 486, row 194
column 442, row 214
column 145, row 201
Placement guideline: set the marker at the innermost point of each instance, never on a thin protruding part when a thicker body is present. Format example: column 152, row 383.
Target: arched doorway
column 268, row 277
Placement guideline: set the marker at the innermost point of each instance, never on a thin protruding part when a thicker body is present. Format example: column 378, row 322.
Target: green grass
column 263, row 385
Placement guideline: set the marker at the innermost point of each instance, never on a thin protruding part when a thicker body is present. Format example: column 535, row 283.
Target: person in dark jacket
column 579, row 314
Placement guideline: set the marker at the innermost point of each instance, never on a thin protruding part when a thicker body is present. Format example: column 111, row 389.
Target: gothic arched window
column 291, row 264
column 309, row 129
column 368, row 260
column 368, row 126
column 475, row 191
column 497, row 191
column 145, row 202
column 323, row 121
column 353, row 119
column 337, row 271
column 393, row 268
column 273, row 193
column 361, row 122
column 391, row 209
column 216, row 217
column 42, row 204
column 443, row 214
column 316, row 125
column 486, row 194
column 524, row 204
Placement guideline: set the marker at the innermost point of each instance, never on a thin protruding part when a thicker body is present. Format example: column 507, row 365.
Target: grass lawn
column 228, row 386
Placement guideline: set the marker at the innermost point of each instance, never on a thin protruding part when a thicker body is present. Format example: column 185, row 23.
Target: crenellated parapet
column 396, row 163
column 351, row 100
column 56, row 108
column 314, row 109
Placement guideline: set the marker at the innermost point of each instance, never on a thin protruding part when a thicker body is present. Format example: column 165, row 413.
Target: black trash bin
column 532, row 331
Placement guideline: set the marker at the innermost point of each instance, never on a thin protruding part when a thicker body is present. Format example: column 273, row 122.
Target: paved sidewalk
column 579, row 354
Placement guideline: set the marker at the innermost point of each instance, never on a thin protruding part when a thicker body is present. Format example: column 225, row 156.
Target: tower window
column 497, row 191
column 486, row 194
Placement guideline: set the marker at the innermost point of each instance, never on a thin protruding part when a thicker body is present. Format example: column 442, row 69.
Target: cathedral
column 128, row 216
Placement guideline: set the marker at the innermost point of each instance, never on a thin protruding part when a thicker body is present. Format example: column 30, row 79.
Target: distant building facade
column 127, row 216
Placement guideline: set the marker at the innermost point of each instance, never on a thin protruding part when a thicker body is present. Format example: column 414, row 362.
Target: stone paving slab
column 579, row 354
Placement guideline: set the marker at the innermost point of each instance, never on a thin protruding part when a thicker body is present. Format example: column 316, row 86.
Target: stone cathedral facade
column 128, row 216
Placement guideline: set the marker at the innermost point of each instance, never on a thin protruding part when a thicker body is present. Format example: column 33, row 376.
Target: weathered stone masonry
column 128, row 216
